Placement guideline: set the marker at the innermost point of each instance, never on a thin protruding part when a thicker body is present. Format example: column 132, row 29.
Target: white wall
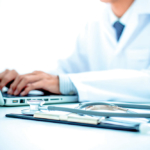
column 34, row 34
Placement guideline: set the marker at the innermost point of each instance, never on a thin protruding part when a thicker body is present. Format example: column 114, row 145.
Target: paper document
column 64, row 116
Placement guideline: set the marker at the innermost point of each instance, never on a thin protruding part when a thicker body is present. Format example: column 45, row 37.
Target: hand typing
column 7, row 77
column 23, row 84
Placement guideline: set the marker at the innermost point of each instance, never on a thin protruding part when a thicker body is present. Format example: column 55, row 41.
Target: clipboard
column 107, row 124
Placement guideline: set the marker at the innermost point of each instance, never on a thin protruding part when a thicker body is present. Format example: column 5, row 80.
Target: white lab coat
column 102, row 69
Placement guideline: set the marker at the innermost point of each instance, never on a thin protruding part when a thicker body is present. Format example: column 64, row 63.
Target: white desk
column 19, row 134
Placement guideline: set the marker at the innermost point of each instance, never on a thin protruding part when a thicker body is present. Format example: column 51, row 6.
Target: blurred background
column 34, row 34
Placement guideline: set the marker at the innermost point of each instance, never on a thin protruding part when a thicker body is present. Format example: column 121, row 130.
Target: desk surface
column 19, row 134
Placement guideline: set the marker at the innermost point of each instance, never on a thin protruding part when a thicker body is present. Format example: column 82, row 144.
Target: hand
column 37, row 80
column 7, row 77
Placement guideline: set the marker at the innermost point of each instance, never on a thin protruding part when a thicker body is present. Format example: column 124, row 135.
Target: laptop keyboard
column 13, row 96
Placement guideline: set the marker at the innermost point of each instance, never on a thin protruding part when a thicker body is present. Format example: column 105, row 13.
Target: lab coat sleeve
column 113, row 85
column 66, row 86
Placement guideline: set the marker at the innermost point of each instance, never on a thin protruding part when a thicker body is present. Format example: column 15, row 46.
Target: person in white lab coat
column 111, row 60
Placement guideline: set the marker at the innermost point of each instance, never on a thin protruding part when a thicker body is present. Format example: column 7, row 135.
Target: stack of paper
column 58, row 115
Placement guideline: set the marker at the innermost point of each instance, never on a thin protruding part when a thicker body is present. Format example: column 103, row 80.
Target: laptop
column 11, row 100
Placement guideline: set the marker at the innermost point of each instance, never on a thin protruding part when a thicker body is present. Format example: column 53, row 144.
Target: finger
column 7, row 78
column 3, row 74
column 32, row 86
column 1, row 78
column 13, row 87
column 14, row 84
column 24, row 81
